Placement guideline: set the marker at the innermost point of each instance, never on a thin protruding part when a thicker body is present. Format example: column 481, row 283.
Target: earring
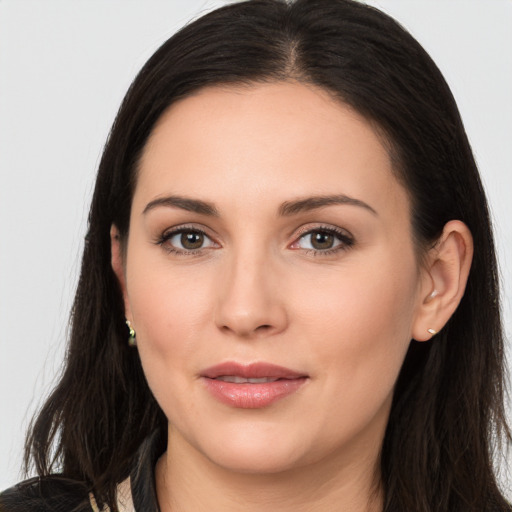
column 132, row 340
column 432, row 331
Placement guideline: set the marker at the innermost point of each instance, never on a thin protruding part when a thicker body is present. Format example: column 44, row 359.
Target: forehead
column 265, row 141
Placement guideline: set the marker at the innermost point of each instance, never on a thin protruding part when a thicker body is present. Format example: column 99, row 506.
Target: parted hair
column 448, row 417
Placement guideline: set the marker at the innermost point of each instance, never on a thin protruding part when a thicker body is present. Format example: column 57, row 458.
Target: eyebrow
column 286, row 209
column 184, row 203
column 312, row 203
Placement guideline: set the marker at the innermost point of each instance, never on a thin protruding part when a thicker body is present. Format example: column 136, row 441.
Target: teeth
column 242, row 380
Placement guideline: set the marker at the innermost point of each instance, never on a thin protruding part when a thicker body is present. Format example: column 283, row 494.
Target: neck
column 188, row 481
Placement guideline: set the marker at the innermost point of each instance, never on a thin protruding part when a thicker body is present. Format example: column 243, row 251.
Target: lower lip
column 252, row 396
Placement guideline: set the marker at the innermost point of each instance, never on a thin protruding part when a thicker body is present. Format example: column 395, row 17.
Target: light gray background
column 64, row 68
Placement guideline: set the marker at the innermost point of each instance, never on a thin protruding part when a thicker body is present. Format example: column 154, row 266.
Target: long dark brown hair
column 448, row 411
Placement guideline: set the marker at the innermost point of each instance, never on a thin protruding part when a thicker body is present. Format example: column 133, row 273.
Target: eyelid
column 311, row 227
column 185, row 227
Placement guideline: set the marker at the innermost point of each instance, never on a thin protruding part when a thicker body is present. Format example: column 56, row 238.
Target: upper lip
column 251, row 371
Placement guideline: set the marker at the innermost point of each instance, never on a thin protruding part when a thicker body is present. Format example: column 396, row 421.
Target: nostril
column 264, row 329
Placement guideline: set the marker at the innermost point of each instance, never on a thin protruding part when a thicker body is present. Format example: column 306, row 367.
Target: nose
column 249, row 299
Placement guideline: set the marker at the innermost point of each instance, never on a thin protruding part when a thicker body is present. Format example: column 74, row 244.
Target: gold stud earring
column 132, row 340
column 432, row 331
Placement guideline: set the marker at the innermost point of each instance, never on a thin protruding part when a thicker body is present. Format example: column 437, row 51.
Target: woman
column 288, row 295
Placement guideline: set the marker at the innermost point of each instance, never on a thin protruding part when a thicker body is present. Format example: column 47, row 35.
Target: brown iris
column 192, row 240
column 322, row 240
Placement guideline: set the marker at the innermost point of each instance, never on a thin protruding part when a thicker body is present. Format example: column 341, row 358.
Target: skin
column 258, row 291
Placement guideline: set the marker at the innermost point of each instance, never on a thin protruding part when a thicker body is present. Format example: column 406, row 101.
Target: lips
column 242, row 380
column 251, row 386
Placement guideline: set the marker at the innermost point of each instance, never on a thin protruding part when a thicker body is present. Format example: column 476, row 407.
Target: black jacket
column 58, row 494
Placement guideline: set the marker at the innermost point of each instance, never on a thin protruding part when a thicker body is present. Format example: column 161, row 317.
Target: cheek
column 169, row 310
column 167, row 323
column 360, row 326
column 164, row 298
column 361, row 300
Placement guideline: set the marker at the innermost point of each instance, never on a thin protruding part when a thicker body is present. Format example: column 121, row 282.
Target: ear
column 118, row 266
column 444, row 279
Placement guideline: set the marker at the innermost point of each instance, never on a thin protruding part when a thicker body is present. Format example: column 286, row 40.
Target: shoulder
column 50, row 494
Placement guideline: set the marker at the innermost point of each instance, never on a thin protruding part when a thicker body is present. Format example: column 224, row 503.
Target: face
column 271, row 277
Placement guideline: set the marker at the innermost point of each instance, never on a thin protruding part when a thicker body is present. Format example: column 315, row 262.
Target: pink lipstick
column 251, row 386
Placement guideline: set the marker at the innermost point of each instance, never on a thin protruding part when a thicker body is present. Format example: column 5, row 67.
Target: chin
column 253, row 450
column 255, row 461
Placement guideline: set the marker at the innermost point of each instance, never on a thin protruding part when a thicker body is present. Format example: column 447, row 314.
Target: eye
column 189, row 240
column 319, row 240
column 186, row 240
column 324, row 240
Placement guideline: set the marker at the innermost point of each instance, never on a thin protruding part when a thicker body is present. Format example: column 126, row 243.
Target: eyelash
column 346, row 240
